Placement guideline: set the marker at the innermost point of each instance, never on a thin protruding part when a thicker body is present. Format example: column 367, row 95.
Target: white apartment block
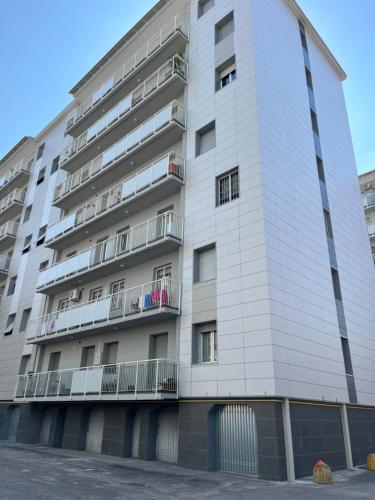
column 367, row 185
column 185, row 269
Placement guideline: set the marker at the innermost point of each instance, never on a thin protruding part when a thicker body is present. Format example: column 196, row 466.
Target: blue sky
column 46, row 46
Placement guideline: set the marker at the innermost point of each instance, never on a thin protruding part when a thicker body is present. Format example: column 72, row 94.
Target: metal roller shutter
column 13, row 423
column 136, row 435
column 45, row 427
column 94, row 436
column 167, row 437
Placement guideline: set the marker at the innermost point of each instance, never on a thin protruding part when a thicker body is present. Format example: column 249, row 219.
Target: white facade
column 270, row 289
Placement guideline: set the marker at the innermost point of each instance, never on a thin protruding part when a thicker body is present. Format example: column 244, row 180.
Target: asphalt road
column 37, row 472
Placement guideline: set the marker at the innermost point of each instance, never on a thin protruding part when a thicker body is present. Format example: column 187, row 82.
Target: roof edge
column 15, row 148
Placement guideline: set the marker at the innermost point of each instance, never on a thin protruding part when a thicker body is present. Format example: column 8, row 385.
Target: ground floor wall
column 191, row 438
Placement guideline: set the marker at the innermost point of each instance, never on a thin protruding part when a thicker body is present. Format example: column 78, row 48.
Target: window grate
column 228, row 187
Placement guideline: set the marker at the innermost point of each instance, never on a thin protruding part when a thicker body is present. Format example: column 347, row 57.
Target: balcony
column 11, row 206
column 163, row 129
column 4, row 265
column 15, row 178
column 171, row 39
column 148, row 98
column 150, row 239
column 157, row 300
column 156, row 182
column 371, row 229
column 135, row 380
column 368, row 200
column 8, row 234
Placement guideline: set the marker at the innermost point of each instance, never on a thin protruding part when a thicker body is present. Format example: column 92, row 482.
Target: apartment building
column 367, row 185
column 186, row 275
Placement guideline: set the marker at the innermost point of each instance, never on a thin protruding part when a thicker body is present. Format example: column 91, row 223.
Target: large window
column 225, row 73
column 204, row 343
column 63, row 304
column 25, row 319
column 40, row 151
column 164, row 271
column 204, row 6
column 87, row 356
column 205, row 139
column 204, row 264
column 227, row 187
column 224, row 28
column 12, row 285
column 110, row 353
column 96, row 293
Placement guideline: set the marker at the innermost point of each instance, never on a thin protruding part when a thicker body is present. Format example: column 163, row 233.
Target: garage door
column 45, row 427
column 136, row 435
column 14, row 418
column 94, row 436
column 237, row 447
column 167, row 437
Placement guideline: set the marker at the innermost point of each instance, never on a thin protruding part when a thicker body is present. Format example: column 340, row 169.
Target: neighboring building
column 200, row 256
column 367, row 185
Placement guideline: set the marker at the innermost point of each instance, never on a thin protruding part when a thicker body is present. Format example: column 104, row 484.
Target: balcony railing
column 175, row 66
column 4, row 263
column 134, row 240
column 156, row 296
column 371, row 228
column 9, row 228
column 170, row 165
column 18, row 196
column 174, row 25
column 368, row 200
column 147, row 379
column 22, row 166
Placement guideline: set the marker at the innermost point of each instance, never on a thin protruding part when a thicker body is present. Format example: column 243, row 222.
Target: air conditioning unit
column 367, row 186
column 75, row 295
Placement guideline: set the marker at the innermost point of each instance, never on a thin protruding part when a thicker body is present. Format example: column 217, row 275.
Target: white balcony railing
column 134, row 240
column 368, row 200
column 175, row 66
column 177, row 24
column 371, row 228
column 9, row 228
column 4, row 263
column 151, row 378
column 18, row 195
column 155, row 296
column 169, row 166
column 21, row 166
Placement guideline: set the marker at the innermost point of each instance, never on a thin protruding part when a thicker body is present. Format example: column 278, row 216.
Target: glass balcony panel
column 102, row 202
column 80, row 213
column 147, row 129
column 133, row 138
column 154, row 43
column 93, row 379
column 137, row 95
column 143, row 179
column 140, row 55
column 129, row 187
column 65, row 383
column 127, row 378
column 165, row 72
column 53, row 383
column 163, row 117
column 124, row 105
column 160, row 169
column 151, row 84
column 168, row 30
column 139, row 235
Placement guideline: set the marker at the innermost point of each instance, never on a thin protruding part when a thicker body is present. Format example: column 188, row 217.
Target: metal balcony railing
column 134, row 240
column 156, row 296
column 175, row 66
column 170, row 165
column 152, row 378
column 178, row 23
column 368, row 200
column 21, row 166
column 18, row 195
column 9, row 228
column 4, row 263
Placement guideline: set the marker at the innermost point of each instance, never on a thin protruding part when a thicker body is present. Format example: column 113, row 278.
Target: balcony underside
column 6, row 241
column 97, row 328
column 154, row 250
column 140, row 201
column 141, row 396
column 11, row 212
column 171, row 89
column 3, row 273
column 18, row 181
column 175, row 45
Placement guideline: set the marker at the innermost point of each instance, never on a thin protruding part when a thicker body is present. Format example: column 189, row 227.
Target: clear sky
column 47, row 45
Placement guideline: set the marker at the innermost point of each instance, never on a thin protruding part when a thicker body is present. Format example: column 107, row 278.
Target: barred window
column 227, row 187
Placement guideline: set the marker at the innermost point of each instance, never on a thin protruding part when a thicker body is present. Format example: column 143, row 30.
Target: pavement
column 37, row 472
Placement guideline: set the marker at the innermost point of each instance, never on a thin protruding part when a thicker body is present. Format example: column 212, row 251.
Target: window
column 319, row 164
column 117, row 286
column 205, row 139
column 163, row 272
column 27, row 243
column 303, row 37
column 227, row 187
column 204, row 347
column 87, row 356
column 41, row 235
column 54, row 361
column 308, row 78
column 10, row 324
column 327, row 221
column 110, row 353
column 225, row 73
column 63, row 304
column 336, row 284
column 314, row 121
column 24, row 366
column 347, row 357
column 224, row 28
column 204, row 267
column 40, row 151
column 122, row 240
column 25, row 319
column 55, row 164
column 26, row 217
column 12, row 285
column 43, row 265
column 204, row 6
column 41, row 175
column 96, row 293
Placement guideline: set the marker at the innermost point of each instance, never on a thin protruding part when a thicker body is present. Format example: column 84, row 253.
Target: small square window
column 12, row 285
column 227, row 187
column 336, row 284
column 319, row 164
column 328, row 224
column 226, row 73
column 163, row 272
column 43, row 265
column 309, row 78
column 205, row 139
column 55, row 165
column 10, row 324
column 27, row 244
column 40, row 151
column 347, row 357
column 96, row 294
column 204, row 348
column 204, row 6
column 204, row 265
column 41, row 176
column 27, row 215
column 314, row 121
column 224, row 28
column 63, row 304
